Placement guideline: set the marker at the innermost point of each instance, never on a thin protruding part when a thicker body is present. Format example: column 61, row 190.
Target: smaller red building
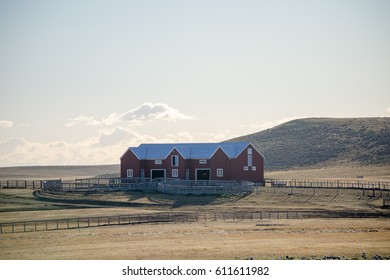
column 238, row 161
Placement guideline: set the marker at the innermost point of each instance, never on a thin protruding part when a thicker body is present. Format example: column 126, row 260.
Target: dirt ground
column 266, row 239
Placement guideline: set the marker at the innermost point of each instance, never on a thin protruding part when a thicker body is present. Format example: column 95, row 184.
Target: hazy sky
column 80, row 81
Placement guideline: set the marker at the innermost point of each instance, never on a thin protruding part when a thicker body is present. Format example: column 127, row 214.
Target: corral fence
column 176, row 186
column 386, row 202
column 169, row 186
column 175, row 217
column 202, row 187
column 22, row 184
column 367, row 188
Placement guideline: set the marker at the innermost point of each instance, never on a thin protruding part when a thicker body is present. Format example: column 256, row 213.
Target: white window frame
column 202, row 161
column 219, row 172
column 246, row 168
column 253, row 168
column 249, row 151
column 176, row 160
column 175, row 173
column 130, row 173
column 158, row 161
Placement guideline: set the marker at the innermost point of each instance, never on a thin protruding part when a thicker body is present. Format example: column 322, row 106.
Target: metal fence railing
column 171, row 186
column 351, row 184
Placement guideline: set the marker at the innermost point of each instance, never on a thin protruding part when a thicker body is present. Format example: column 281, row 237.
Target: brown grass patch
column 211, row 240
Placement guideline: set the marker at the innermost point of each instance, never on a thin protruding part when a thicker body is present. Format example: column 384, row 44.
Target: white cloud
column 88, row 120
column 121, row 136
column 6, row 124
column 147, row 112
column 11, row 145
column 158, row 111
column 180, row 137
column 106, row 147
column 22, row 152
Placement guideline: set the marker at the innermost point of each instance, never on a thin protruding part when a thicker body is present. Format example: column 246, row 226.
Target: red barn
column 197, row 161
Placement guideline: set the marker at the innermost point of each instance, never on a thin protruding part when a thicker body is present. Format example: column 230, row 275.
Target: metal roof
column 188, row 150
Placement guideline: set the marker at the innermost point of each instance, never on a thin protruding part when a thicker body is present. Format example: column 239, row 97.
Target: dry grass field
column 258, row 238
column 271, row 239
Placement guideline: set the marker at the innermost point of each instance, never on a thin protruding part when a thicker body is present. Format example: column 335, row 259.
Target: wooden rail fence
column 365, row 188
column 22, row 184
column 342, row 184
column 86, row 222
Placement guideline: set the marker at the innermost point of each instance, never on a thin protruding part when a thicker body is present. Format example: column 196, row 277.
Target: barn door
column 203, row 174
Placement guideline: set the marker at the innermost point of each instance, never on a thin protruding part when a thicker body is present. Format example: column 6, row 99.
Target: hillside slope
column 324, row 142
column 66, row 172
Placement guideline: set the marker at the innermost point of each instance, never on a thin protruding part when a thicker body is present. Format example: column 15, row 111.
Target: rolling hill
column 65, row 172
column 320, row 142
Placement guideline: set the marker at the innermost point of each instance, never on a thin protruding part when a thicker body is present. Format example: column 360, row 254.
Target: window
column 249, row 151
column 175, row 160
column 203, row 161
column 245, row 168
column 175, row 173
column 158, row 161
column 142, row 173
column 249, row 160
column 253, row 168
column 130, row 173
column 219, row 172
